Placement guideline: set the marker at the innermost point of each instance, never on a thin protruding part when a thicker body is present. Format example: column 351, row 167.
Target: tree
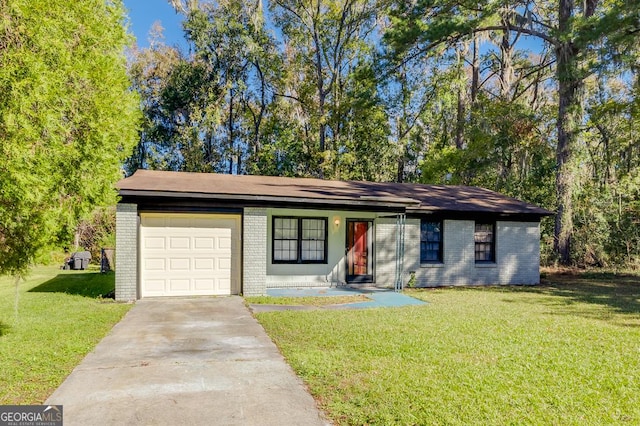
column 326, row 41
column 67, row 119
column 205, row 111
column 244, row 101
column 230, row 38
column 575, row 31
column 150, row 71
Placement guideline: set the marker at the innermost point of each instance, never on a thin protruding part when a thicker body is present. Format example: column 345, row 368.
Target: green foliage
column 97, row 231
column 429, row 91
column 504, row 151
column 68, row 119
column 245, row 103
column 503, row 136
column 206, row 112
column 360, row 125
column 607, row 225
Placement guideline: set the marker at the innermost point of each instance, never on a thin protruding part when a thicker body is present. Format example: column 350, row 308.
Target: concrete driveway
column 199, row 361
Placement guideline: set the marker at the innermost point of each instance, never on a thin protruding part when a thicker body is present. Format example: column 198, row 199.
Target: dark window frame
column 481, row 246
column 424, row 243
column 299, row 240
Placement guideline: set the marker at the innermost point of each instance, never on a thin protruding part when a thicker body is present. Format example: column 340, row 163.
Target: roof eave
column 538, row 212
column 386, row 203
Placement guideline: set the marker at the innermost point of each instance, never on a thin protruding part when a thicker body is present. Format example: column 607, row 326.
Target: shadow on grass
column 614, row 297
column 88, row 284
column 621, row 296
column 4, row 328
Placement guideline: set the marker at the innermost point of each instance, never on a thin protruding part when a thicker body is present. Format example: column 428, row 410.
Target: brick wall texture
column 126, row 252
column 517, row 255
column 254, row 271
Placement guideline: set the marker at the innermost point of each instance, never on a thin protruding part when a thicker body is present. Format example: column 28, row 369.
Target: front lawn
column 564, row 353
column 60, row 318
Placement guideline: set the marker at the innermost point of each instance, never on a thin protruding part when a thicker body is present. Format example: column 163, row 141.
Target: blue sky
column 142, row 15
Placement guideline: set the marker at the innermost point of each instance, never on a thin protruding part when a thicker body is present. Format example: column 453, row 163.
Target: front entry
column 359, row 251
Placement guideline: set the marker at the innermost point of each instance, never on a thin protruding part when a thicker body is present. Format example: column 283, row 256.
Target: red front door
column 359, row 263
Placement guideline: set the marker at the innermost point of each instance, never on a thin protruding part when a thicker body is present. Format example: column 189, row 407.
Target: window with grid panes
column 299, row 240
column 484, row 237
column 430, row 241
column 285, row 239
column 313, row 240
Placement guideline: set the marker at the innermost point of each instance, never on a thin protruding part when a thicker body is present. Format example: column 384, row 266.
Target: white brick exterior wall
column 254, row 281
column 518, row 252
column 385, row 248
column 517, row 255
column 126, row 252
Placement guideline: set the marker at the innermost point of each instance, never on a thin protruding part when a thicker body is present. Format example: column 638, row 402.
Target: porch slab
column 380, row 298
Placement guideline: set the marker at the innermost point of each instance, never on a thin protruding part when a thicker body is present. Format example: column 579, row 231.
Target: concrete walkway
column 198, row 361
column 380, row 298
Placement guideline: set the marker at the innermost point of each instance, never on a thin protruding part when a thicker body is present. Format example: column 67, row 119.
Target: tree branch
column 518, row 29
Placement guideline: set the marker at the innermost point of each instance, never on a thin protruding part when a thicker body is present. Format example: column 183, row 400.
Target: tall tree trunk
column 400, row 171
column 460, row 113
column 506, row 62
column 401, row 126
column 569, row 85
column 460, row 122
column 475, row 70
column 257, row 122
column 564, row 175
column 231, row 147
column 322, row 93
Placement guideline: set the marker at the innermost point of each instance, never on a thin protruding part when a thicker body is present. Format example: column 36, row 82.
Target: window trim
column 440, row 259
column 492, row 261
column 298, row 260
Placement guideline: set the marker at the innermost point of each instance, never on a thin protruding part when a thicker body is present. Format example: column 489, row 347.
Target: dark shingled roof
column 243, row 188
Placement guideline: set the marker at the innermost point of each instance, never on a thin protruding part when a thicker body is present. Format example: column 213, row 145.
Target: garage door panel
column 154, row 243
column 204, row 284
column 155, row 285
column 177, row 264
column 224, row 264
column 179, row 243
column 224, row 284
column 224, row 242
column 189, row 255
column 204, row 264
column 179, row 285
column 151, row 264
column 204, row 243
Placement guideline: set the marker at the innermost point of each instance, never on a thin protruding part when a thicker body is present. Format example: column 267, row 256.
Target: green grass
column 566, row 353
column 306, row 300
column 60, row 318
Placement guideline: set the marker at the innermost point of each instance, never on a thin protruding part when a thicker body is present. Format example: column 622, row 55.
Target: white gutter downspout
column 401, row 219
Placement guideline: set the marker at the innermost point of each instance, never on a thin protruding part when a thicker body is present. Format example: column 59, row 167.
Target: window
column 299, row 240
column 285, row 239
column 484, row 237
column 313, row 240
column 430, row 242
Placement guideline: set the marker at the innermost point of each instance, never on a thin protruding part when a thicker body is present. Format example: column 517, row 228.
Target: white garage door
column 189, row 255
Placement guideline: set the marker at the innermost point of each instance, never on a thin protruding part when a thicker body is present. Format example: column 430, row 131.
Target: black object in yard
column 106, row 262
column 79, row 260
